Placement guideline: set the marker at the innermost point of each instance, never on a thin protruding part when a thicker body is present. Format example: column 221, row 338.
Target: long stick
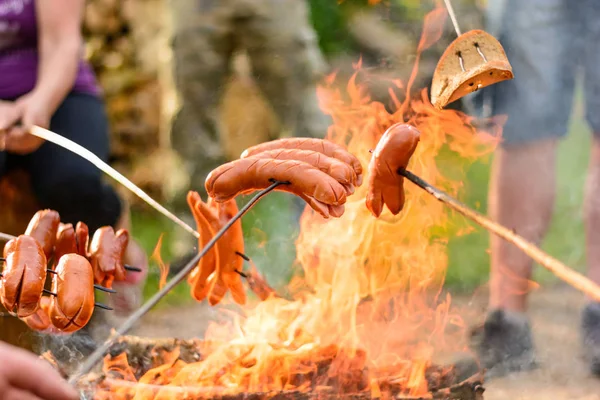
column 99, row 353
column 6, row 237
column 91, row 157
column 452, row 16
column 559, row 269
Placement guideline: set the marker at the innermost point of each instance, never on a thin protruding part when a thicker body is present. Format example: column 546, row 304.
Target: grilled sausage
column 65, row 242
column 43, row 227
column 385, row 185
column 23, row 277
column 106, row 255
column 69, row 240
column 216, row 272
column 40, row 320
column 73, row 283
column 338, row 170
column 248, row 174
column 228, row 247
column 324, row 147
column 82, row 238
column 207, row 264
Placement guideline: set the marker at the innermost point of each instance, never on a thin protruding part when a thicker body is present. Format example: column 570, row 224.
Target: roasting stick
column 99, row 353
column 559, row 269
column 91, row 157
column 452, row 16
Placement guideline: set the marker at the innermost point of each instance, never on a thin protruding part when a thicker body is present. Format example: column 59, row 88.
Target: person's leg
column 202, row 49
column 538, row 37
column 521, row 197
column 287, row 63
column 590, row 322
column 590, row 16
column 71, row 185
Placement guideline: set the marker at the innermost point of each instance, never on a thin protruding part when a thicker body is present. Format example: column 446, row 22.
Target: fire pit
column 138, row 368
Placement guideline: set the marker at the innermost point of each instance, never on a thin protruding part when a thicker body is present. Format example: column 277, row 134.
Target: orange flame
column 163, row 268
column 367, row 314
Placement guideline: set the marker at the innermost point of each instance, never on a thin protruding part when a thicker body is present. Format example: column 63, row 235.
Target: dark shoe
column 590, row 332
column 504, row 344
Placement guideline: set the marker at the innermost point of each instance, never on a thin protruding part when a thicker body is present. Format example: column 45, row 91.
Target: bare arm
column 59, row 46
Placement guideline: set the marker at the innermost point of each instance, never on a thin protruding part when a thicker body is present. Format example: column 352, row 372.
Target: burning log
column 151, row 369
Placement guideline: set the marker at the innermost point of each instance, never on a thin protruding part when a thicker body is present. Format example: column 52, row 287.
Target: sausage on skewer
column 40, row 320
column 107, row 251
column 73, row 285
column 23, row 277
column 338, row 170
column 43, row 228
column 322, row 192
column 385, row 185
column 322, row 146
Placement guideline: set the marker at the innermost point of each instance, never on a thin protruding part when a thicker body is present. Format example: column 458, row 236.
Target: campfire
column 366, row 317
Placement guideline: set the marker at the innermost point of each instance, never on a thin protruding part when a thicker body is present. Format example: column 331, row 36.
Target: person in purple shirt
column 44, row 81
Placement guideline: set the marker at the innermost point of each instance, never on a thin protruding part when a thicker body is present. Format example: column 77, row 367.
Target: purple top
column 19, row 54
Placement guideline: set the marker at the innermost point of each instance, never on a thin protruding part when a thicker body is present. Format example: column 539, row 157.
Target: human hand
column 9, row 115
column 32, row 110
column 25, row 376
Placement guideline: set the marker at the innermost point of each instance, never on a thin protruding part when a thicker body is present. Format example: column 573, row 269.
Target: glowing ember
column 367, row 316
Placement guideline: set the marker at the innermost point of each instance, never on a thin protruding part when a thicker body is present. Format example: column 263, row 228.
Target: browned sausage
column 338, row 170
column 385, row 185
column 322, row 146
column 216, row 272
column 43, row 227
column 82, row 238
column 73, row 283
column 107, row 251
column 69, row 240
column 65, row 242
column 23, row 277
column 207, row 264
column 248, row 174
column 40, row 320
column 228, row 247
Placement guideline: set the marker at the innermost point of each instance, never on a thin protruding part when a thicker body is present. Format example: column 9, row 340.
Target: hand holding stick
column 559, row 269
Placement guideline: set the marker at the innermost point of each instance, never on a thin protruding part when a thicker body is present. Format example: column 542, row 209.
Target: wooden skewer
column 452, row 16
column 567, row 274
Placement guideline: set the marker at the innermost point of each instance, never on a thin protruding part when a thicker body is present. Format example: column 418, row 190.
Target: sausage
column 69, row 240
column 82, row 238
column 215, row 273
column 40, row 320
column 338, row 170
column 207, row 264
column 322, row 146
column 229, row 247
column 385, row 185
column 73, row 283
column 43, row 227
column 247, row 175
column 106, row 255
column 65, row 242
column 23, row 277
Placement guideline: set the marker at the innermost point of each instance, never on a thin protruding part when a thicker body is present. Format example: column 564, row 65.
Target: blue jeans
column 548, row 42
